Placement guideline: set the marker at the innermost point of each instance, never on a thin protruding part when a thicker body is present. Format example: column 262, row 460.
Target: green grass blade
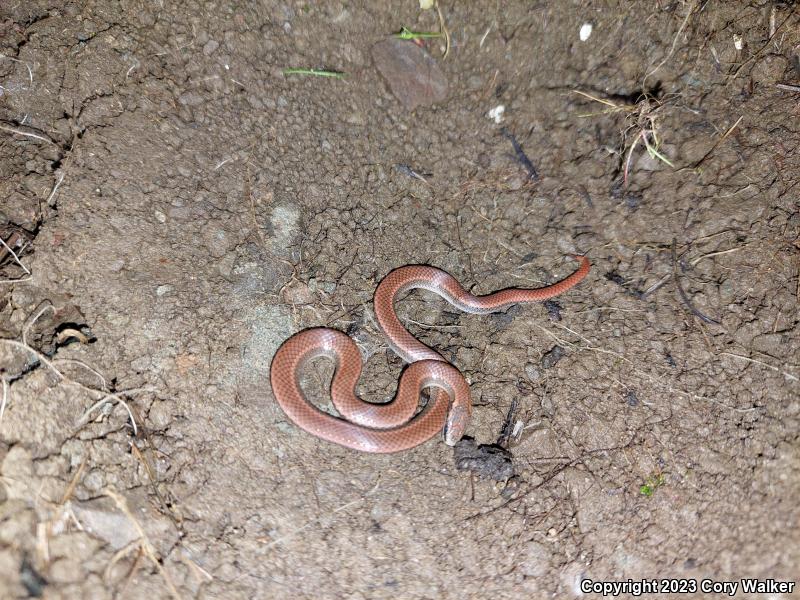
column 407, row 34
column 316, row 73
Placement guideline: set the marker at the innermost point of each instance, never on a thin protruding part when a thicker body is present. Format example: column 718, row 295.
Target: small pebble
column 496, row 114
column 552, row 357
column 160, row 415
column 515, row 183
column 413, row 76
column 553, row 310
column 94, row 481
column 531, row 372
column 209, row 47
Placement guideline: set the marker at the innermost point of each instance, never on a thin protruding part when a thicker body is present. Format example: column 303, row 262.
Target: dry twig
column 141, row 544
column 106, row 396
column 694, row 310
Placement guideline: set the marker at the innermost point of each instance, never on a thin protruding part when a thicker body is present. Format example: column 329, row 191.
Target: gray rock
column 413, row 76
column 102, row 519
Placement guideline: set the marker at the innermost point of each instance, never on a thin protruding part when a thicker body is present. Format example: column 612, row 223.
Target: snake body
column 396, row 425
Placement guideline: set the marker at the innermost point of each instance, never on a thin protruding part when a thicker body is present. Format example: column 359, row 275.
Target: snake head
column 456, row 424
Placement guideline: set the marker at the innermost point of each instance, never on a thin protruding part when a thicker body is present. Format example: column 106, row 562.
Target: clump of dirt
column 172, row 207
column 491, row 461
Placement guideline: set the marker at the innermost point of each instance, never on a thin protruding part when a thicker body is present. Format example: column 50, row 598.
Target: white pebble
column 497, row 113
column 585, row 32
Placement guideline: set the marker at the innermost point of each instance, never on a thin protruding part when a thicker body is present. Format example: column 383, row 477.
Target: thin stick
column 30, row 72
column 14, row 254
column 55, row 188
column 45, row 306
column 114, row 397
column 682, row 292
column 694, row 261
column 198, row 571
column 655, row 286
column 144, row 542
column 27, row 133
column 628, row 160
column 80, row 363
column 153, row 479
column 122, row 553
column 724, row 136
column 39, row 356
column 602, row 101
column 5, row 399
column 434, row 326
column 75, row 479
column 483, row 39
column 444, row 31
column 20, row 280
column 107, row 396
column 788, row 376
column 132, row 571
column 674, row 41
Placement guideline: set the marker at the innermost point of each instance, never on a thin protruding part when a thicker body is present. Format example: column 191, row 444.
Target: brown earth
column 182, row 207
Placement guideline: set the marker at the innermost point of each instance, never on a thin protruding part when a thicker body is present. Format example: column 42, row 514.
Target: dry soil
column 179, row 207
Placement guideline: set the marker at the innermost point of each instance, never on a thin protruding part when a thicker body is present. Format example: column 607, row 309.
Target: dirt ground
column 179, row 207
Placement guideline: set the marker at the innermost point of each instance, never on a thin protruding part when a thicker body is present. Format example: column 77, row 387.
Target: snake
column 399, row 424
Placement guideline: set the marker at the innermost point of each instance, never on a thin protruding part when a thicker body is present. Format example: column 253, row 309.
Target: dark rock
column 30, row 578
column 550, row 358
column 553, row 310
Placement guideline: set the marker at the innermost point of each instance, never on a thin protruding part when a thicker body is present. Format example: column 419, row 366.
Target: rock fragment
column 413, row 75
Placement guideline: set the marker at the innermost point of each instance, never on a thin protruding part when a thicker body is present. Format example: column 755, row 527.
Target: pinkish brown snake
column 393, row 426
